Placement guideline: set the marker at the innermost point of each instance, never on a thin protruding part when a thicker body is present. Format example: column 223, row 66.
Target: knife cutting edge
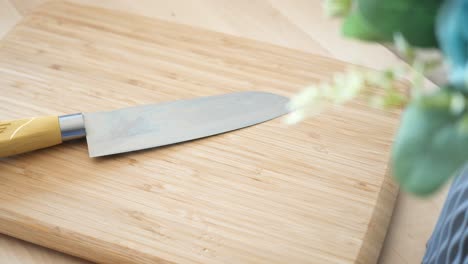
column 144, row 126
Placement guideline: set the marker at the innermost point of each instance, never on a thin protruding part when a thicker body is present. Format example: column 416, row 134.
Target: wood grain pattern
column 269, row 193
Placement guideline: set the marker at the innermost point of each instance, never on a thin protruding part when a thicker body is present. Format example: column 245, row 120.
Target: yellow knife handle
column 23, row 135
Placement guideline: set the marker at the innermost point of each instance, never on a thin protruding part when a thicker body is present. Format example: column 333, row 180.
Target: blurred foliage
column 432, row 141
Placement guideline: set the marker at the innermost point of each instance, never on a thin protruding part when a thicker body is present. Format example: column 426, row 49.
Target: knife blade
column 144, row 126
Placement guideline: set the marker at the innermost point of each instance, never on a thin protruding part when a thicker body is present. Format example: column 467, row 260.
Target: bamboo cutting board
column 317, row 192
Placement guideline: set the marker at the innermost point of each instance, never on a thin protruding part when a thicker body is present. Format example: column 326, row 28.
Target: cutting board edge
column 379, row 222
column 58, row 238
column 51, row 3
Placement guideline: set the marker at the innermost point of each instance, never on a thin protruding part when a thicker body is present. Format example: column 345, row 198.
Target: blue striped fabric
column 449, row 241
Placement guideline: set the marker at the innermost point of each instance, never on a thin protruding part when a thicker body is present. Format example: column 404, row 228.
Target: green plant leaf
column 355, row 26
column 431, row 145
column 415, row 19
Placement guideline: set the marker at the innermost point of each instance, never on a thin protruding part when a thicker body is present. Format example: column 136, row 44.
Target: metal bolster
column 72, row 126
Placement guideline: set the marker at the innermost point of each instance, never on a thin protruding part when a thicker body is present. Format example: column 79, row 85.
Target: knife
column 144, row 126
